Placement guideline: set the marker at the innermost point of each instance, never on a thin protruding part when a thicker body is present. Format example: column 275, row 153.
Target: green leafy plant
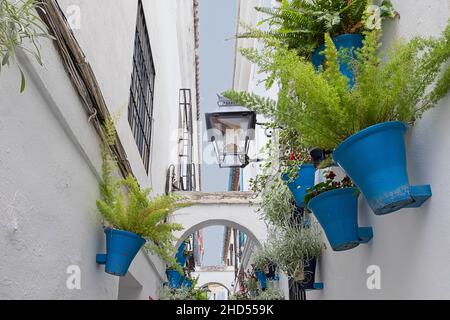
column 293, row 246
column 191, row 293
column 276, row 204
column 20, row 27
column 270, row 293
column 330, row 183
column 263, row 257
column 126, row 206
column 300, row 24
column 319, row 106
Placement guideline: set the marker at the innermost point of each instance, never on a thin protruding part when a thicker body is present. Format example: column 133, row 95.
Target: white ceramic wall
column 50, row 161
column 409, row 246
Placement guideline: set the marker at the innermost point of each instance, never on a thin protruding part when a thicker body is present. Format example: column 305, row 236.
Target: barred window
column 140, row 108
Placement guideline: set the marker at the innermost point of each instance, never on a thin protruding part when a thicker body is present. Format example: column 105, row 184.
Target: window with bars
column 140, row 108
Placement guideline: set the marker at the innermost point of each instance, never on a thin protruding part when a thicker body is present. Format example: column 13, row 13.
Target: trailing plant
column 319, row 106
column 300, row 25
column 239, row 296
column 126, row 206
column 294, row 246
column 276, row 204
column 330, row 183
column 192, row 293
column 271, row 293
column 263, row 257
column 20, row 28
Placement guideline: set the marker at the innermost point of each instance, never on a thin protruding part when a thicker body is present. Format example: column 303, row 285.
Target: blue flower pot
column 337, row 212
column 303, row 181
column 174, row 278
column 262, row 279
column 181, row 257
column 310, row 274
column 375, row 159
column 349, row 42
column 121, row 248
column 187, row 283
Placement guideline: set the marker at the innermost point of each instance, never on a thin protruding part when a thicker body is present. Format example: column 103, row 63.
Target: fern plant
column 413, row 78
column 20, row 27
column 301, row 24
column 126, row 206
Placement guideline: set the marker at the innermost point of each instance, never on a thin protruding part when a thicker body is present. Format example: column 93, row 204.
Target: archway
column 217, row 291
column 232, row 209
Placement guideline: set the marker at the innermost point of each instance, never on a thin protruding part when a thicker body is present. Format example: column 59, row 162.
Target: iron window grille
column 140, row 107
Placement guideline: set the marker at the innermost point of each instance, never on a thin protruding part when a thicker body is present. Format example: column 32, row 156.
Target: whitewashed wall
column 50, row 158
column 410, row 245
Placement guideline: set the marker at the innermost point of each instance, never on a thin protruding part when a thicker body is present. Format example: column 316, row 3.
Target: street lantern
column 230, row 129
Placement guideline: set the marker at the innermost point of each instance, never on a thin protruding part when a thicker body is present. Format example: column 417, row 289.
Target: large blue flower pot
column 262, row 279
column 121, row 248
column 337, row 212
column 349, row 42
column 303, row 181
column 174, row 278
column 375, row 159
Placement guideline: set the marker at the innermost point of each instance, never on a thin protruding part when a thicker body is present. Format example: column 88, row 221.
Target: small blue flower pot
column 349, row 42
column 121, row 248
column 337, row 212
column 181, row 257
column 187, row 283
column 303, row 181
column 262, row 279
column 310, row 274
column 174, row 278
column 375, row 159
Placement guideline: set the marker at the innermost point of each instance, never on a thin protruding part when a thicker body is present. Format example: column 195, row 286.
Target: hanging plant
column 20, row 28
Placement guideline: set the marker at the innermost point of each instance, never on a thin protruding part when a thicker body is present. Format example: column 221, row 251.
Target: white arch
column 233, row 209
column 223, row 276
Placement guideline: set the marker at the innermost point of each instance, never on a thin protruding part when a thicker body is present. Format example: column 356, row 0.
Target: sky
column 217, row 23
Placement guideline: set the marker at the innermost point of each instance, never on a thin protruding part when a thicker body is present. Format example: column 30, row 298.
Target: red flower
column 330, row 175
column 346, row 181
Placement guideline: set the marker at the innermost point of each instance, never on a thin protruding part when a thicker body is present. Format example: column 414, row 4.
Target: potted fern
column 301, row 25
column 133, row 217
column 364, row 126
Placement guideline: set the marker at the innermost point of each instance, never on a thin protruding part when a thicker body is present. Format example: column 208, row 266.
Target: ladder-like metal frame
column 186, row 167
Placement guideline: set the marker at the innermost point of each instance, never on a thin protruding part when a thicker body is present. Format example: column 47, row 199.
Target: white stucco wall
column 408, row 245
column 224, row 277
column 50, row 156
